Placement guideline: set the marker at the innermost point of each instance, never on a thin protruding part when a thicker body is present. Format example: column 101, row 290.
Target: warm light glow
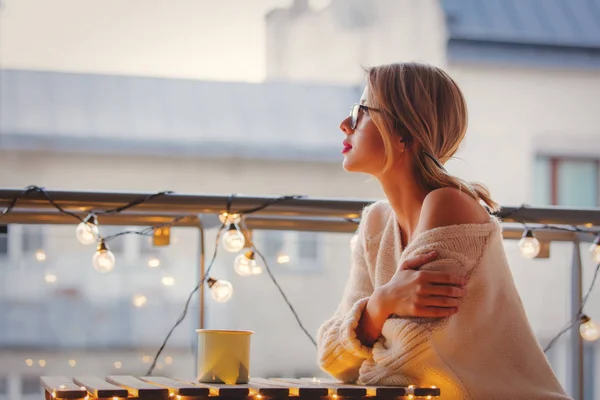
column 233, row 240
column 171, row 394
column 153, row 262
column 168, row 281
column 87, row 232
column 73, row 363
column 42, row 363
column 283, row 258
column 29, row 362
column 104, row 259
column 40, row 255
column 335, row 396
column 229, row 219
column 221, row 291
column 118, row 364
column 50, row 278
column 159, row 366
column 168, row 360
column 61, row 386
column 53, row 394
column 258, row 396
column 146, row 359
column 139, row 300
column 589, row 331
column 595, row 252
column 529, row 245
column 430, row 397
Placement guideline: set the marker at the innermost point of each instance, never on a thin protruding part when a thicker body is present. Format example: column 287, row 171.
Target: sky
column 197, row 39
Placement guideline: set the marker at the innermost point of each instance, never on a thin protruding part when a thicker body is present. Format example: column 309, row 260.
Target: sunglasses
column 355, row 111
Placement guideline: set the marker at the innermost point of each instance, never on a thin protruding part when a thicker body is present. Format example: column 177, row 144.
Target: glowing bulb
column 40, row 255
column 529, row 245
column 245, row 264
column 595, row 250
column 233, row 239
column 220, row 291
column 168, row 360
column 283, row 258
column 42, row 363
column 588, row 330
column 139, row 300
column 146, row 359
column 50, row 278
column 87, row 231
column 72, row 363
column 118, row 364
column 104, row 259
column 29, row 362
column 229, row 219
column 153, row 262
column 168, row 281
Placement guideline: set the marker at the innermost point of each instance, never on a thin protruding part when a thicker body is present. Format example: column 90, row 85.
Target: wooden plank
column 304, row 390
column 99, row 388
column 381, row 391
column 137, row 388
column 332, row 388
column 177, row 388
column 220, row 389
column 62, row 388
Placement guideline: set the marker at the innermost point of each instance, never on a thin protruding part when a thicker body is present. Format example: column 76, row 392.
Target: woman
column 397, row 326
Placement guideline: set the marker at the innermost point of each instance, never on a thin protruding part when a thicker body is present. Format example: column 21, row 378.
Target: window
column 563, row 181
column 32, row 239
column 291, row 251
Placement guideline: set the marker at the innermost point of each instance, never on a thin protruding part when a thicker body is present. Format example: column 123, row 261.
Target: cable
column 285, row 297
column 579, row 312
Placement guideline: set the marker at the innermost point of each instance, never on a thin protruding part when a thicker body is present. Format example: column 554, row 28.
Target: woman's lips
column 347, row 147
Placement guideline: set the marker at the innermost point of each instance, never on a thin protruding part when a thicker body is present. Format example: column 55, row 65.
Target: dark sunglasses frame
column 355, row 111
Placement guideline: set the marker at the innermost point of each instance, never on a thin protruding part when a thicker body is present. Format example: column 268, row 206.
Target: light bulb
column 529, row 245
column 87, row 231
column 220, row 290
column 40, row 255
column 244, row 264
column 139, row 300
column 283, row 258
column 595, row 250
column 229, row 219
column 154, row 262
column 104, row 259
column 588, row 330
column 233, row 239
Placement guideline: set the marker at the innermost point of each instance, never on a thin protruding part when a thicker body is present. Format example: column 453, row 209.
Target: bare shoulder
column 449, row 206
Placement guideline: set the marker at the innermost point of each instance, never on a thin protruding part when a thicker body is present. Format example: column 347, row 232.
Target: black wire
column 270, row 203
column 579, row 312
column 285, row 297
column 187, row 303
column 135, row 203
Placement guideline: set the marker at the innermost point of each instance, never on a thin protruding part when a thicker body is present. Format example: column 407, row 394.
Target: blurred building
column 530, row 73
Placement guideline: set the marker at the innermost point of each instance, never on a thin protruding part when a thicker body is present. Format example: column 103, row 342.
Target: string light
column 283, row 258
column 595, row 250
column 245, row 264
column 153, row 262
column 228, row 219
column 588, row 330
column 168, row 280
column 29, row 362
column 42, row 363
column 87, row 230
column 50, row 278
column 118, row 364
column 233, row 239
column 139, row 300
column 72, row 363
column 220, row 290
column 104, row 259
column 40, row 255
column 529, row 245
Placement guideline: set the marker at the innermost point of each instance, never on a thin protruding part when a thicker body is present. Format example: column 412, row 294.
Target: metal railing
column 303, row 214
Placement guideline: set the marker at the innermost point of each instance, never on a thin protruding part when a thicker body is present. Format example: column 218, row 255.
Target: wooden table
column 160, row 388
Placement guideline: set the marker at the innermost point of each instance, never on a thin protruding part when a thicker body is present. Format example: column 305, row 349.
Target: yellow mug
column 223, row 356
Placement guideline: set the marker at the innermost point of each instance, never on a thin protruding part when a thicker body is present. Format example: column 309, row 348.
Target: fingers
column 426, row 312
column 442, row 290
column 438, row 301
column 441, row 278
column 418, row 261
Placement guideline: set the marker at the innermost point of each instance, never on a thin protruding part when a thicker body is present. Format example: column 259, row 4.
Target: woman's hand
column 411, row 293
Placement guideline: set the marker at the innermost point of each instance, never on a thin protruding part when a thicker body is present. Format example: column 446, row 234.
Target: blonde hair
column 422, row 105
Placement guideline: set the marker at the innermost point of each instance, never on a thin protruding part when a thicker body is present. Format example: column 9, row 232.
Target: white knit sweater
column 485, row 351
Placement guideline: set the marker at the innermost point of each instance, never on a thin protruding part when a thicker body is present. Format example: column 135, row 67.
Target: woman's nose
column 345, row 126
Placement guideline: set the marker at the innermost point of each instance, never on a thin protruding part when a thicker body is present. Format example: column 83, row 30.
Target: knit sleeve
column 406, row 342
column 340, row 352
